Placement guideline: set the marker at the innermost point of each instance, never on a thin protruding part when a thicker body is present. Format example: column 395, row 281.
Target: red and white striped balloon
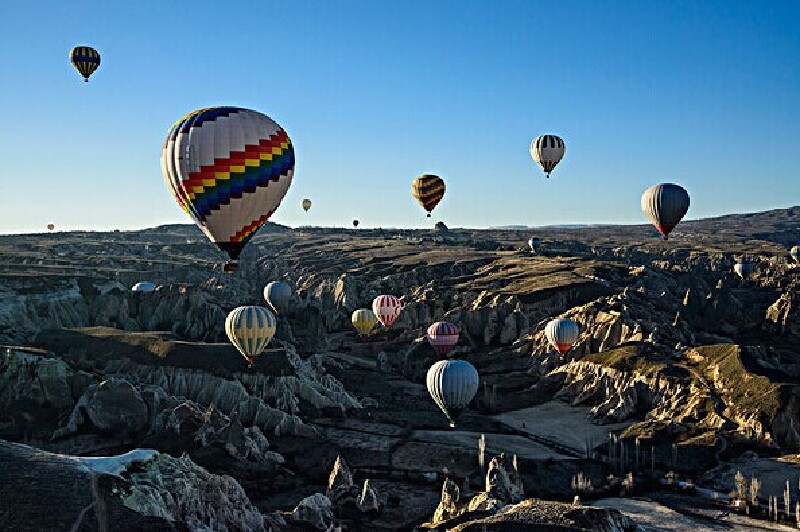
column 443, row 336
column 387, row 309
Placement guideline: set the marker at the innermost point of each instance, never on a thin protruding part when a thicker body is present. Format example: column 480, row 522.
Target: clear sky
column 373, row 93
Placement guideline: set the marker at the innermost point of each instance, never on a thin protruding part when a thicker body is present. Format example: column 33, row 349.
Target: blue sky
column 373, row 93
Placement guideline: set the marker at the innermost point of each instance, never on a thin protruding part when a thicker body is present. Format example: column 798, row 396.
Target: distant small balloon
column 743, row 268
column 364, row 321
column 387, row 308
column 50, row 227
column 250, row 329
column 443, row 337
column 428, row 190
column 665, row 205
column 547, row 151
column 355, row 223
column 306, row 204
column 794, row 253
column 277, row 294
column 534, row 243
column 85, row 59
column 562, row 334
column 143, row 286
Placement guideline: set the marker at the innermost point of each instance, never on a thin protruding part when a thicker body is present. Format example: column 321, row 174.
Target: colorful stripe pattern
column 547, row 151
column 428, row 191
column 387, row 308
column 229, row 169
column 562, row 333
column 85, row 59
column 443, row 337
column 250, row 329
column 364, row 321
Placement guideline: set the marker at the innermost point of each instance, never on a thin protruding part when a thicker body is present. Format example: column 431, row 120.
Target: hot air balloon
column 562, row 333
column 534, row 244
column 277, row 295
column 443, row 336
column 306, row 204
column 364, row 321
column 794, row 253
column 50, row 227
column 452, row 385
column 355, row 223
column 547, row 151
column 743, row 268
column 85, row 59
column 250, row 329
column 143, row 286
column 228, row 168
column 387, row 309
column 665, row 204
column 428, row 190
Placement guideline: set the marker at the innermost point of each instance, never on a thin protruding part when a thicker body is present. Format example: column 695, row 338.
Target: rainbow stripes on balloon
column 229, row 169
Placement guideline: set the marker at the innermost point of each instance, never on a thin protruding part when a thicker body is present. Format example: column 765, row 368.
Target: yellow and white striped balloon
column 364, row 321
column 250, row 329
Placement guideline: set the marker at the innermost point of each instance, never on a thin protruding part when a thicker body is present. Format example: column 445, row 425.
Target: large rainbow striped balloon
column 228, row 168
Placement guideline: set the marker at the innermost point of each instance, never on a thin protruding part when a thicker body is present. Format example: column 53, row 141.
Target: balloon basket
column 230, row 267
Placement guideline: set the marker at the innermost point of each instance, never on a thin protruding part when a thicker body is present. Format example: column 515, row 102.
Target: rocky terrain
column 682, row 369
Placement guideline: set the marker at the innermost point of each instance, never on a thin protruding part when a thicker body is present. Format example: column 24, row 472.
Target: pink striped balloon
column 387, row 309
column 443, row 336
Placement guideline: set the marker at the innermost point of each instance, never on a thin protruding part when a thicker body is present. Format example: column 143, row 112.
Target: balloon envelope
column 743, row 268
column 143, row 286
column 794, row 253
column 50, row 227
column 562, row 333
column 277, row 294
column 387, row 308
column 306, row 204
column 443, row 336
column 250, row 329
column 228, row 168
column 428, row 190
column 85, row 59
column 534, row 244
column 364, row 321
column 452, row 385
column 547, row 151
column 665, row 205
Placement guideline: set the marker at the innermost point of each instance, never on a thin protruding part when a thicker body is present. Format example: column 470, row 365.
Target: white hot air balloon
column 562, row 334
column 452, row 385
column 277, row 294
column 143, row 286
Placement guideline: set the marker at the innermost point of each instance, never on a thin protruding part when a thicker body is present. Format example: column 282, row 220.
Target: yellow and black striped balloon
column 85, row 59
column 428, row 190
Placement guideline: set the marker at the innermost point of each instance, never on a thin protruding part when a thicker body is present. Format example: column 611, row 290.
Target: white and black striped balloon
column 547, row 151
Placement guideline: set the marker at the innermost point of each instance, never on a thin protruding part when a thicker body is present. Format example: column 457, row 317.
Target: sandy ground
column 495, row 443
column 772, row 472
column 558, row 421
column 654, row 517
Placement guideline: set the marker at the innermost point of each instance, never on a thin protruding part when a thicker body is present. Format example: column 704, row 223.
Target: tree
column 741, row 486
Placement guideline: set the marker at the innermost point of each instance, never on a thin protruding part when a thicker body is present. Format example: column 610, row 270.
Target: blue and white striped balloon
column 250, row 329
column 452, row 385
